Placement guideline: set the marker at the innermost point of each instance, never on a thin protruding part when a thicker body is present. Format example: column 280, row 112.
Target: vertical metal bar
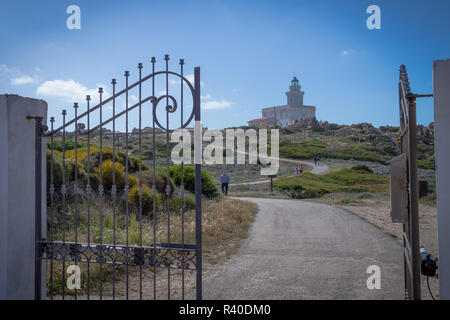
column 414, row 220
column 113, row 187
column 183, row 256
column 198, row 193
column 75, row 187
column 166, row 58
column 127, row 187
column 52, row 204
column 406, row 274
column 63, row 191
column 140, row 175
column 154, row 182
column 38, row 208
column 100, row 194
column 88, row 191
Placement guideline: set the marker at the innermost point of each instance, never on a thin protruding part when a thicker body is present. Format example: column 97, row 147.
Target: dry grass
column 225, row 224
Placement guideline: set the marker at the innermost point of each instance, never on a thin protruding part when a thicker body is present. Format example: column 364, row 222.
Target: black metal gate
column 113, row 210
column 408, row 213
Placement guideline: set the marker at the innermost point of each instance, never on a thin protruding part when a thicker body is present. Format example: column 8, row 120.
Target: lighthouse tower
column 295, row 95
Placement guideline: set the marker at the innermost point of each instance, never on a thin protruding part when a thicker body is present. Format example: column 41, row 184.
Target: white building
column 287, row 114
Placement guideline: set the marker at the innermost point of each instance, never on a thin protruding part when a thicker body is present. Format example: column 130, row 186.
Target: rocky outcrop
column 308, row 123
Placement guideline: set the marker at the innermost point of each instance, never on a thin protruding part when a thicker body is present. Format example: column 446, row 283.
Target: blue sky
column 248, row 52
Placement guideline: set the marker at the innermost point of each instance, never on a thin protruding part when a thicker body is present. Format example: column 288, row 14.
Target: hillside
column 308, row 138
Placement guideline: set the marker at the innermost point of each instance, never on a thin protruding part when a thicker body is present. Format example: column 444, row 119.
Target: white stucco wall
column 285, row 115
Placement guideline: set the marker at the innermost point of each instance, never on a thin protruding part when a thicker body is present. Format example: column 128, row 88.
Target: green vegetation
column 356, row 179
column 362, row 167
column 361, row 142
column 147, row 199
column 111, row 223
column 94, row 168
column 69, row 144
column 208, row 187
column 308, row 150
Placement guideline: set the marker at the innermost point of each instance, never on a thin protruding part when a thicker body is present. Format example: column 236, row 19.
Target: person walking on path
column 224, row 181
column 300, row 168
column 297, row 170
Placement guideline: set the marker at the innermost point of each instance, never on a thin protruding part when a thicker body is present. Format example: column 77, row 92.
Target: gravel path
column 304, row 250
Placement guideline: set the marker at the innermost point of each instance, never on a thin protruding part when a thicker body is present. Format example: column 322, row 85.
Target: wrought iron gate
column 407, row 211
column 119, row 220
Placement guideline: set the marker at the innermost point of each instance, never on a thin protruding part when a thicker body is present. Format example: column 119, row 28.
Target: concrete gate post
column 17, row 196
column 441, row 95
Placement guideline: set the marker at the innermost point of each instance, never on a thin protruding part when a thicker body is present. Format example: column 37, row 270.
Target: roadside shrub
column 209, row 189
column 107, row 175
column 162, row 172
column 160, row 179
column 69, row 144
column 426, row 164
column 175, row 203
column 58, row 170
column 107, row 154
column 147, row 199
column 361, row 167
column 299, row 192
column 132, row 181
column 346, row 201
column 69, row 171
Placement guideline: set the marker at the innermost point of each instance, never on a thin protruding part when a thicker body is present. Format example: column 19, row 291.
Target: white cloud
column 215, row 104
column 18, row 81
column 345, row 53
column 17, row 78
column 208, row 103
column 69, row 90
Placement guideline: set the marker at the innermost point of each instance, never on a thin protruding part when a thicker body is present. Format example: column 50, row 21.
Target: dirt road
column 304, row 250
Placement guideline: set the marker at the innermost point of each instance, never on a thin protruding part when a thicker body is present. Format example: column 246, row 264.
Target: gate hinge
column 43, row 127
